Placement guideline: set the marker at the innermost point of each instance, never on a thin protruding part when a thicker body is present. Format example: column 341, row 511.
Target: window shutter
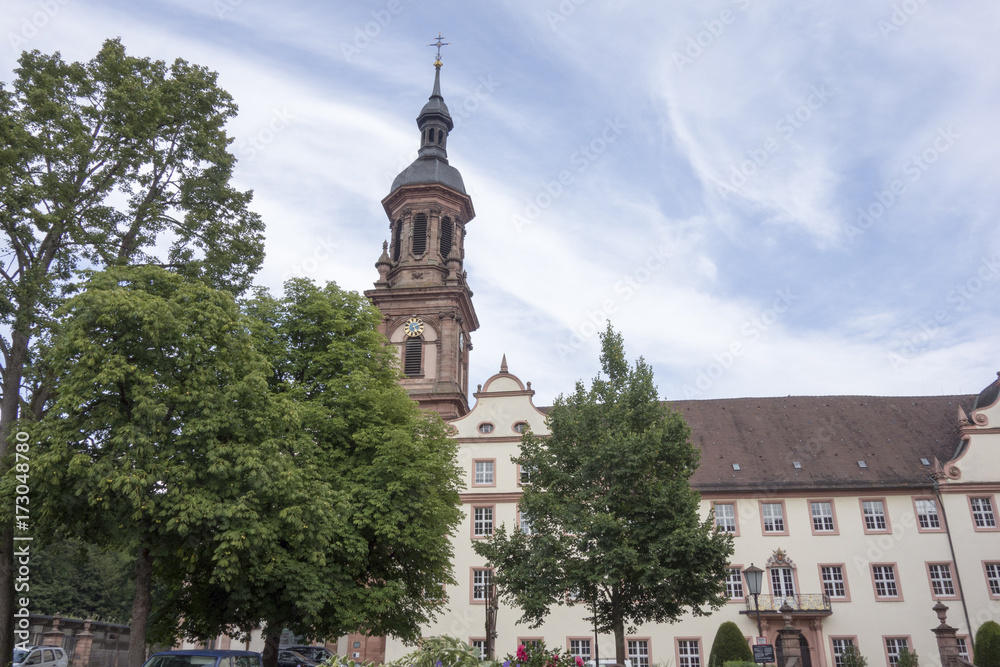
column 419, row 234
column 413, row 356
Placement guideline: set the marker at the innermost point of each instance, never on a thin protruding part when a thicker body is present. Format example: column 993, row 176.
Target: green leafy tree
column 729, row 645
column 163, row 438
column 382, row 486
column 79, row 580
column 615, row 522
column 119, row 160
column 851, row 657
column 908, row 658
column 987, row 649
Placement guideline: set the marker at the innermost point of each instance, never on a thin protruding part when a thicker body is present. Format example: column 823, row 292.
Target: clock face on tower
column 413, row 327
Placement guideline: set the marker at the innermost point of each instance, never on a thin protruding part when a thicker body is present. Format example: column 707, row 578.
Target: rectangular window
column 840, row 644
column 774, row 520
column 885, row 581
column 482, row 521
column 524, row 474
column 833, row 581
column 481, row 580
column 580, row 647
column 874, row 511
column 982, row 513
column 893, row 647
column 782, row 582
column 941, row 583
column 734, row 584
column 725, row 517
column 688, row 653
column 479, row 644
column 822, row 517
column 993, row 578
column 484, row 473
column 927, row 514
column 963, row 648
column 638, row 652
column 525, row 523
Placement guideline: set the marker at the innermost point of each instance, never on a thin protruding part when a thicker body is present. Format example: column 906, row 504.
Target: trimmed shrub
column 729, row 646
column 987, row 645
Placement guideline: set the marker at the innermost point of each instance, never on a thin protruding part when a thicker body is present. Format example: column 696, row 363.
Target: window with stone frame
column 834, row 586
column 884, row 577
column 894, row 646
column 734, row 584
column 840, row 644
column 482, row 521
column 822, row 516
column 481, row 579
column 774, row 519
column 580, row 647
column 688, row 653
column 982, row 513
column 874, row 512
column 725, row 517
column 993, row 578
column 638, row 652
column 941, row 582
column 927, row 513
column 484, row 473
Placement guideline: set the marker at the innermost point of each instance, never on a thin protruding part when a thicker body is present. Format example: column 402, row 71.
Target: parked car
column 290, row 658
column 314, row 653
column 204, row 658
column 40, row 656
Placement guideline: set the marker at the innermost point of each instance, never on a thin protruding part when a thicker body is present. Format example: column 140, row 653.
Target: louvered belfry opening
column 419, row 234
column 412, row 356
column 445, row 237
column 397, row 240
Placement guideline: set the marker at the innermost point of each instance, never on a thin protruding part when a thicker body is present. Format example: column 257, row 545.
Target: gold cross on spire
column 438, row 43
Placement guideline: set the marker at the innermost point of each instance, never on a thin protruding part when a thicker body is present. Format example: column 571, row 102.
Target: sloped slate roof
column 827, row 435
column 426, row 170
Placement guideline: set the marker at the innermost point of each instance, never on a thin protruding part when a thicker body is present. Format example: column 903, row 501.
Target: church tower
column 421, row 291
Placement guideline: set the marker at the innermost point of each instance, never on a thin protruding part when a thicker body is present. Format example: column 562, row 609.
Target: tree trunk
column 140, row 608
column 270, row 654
column 9, row 404
column 619, row 627
column 8, row 597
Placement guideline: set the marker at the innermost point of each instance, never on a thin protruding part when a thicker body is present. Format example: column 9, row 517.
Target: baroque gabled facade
column 863, row 511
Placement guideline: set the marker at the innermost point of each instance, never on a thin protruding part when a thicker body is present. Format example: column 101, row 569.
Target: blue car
column 204, row 658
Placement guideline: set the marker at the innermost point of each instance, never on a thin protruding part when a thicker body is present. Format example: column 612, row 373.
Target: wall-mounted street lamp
column 754, row 577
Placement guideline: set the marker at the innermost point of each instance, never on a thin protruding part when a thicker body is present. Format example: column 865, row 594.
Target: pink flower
column 579, row 661
column 522, row 653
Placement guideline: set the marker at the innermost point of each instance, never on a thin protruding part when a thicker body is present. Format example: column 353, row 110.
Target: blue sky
column 766, row 198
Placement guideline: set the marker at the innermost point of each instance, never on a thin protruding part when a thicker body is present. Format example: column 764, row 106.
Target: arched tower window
column 419, row 234
column 445, row 237
column 397, row 240
column 413, row 356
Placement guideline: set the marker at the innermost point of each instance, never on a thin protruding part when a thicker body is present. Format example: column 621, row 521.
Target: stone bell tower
column 421, row 290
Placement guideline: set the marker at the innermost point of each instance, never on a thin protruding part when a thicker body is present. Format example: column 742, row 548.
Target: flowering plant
column 534, row 654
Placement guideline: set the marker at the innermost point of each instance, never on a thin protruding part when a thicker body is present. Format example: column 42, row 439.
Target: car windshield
column 20, row 654
column 180, row 661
